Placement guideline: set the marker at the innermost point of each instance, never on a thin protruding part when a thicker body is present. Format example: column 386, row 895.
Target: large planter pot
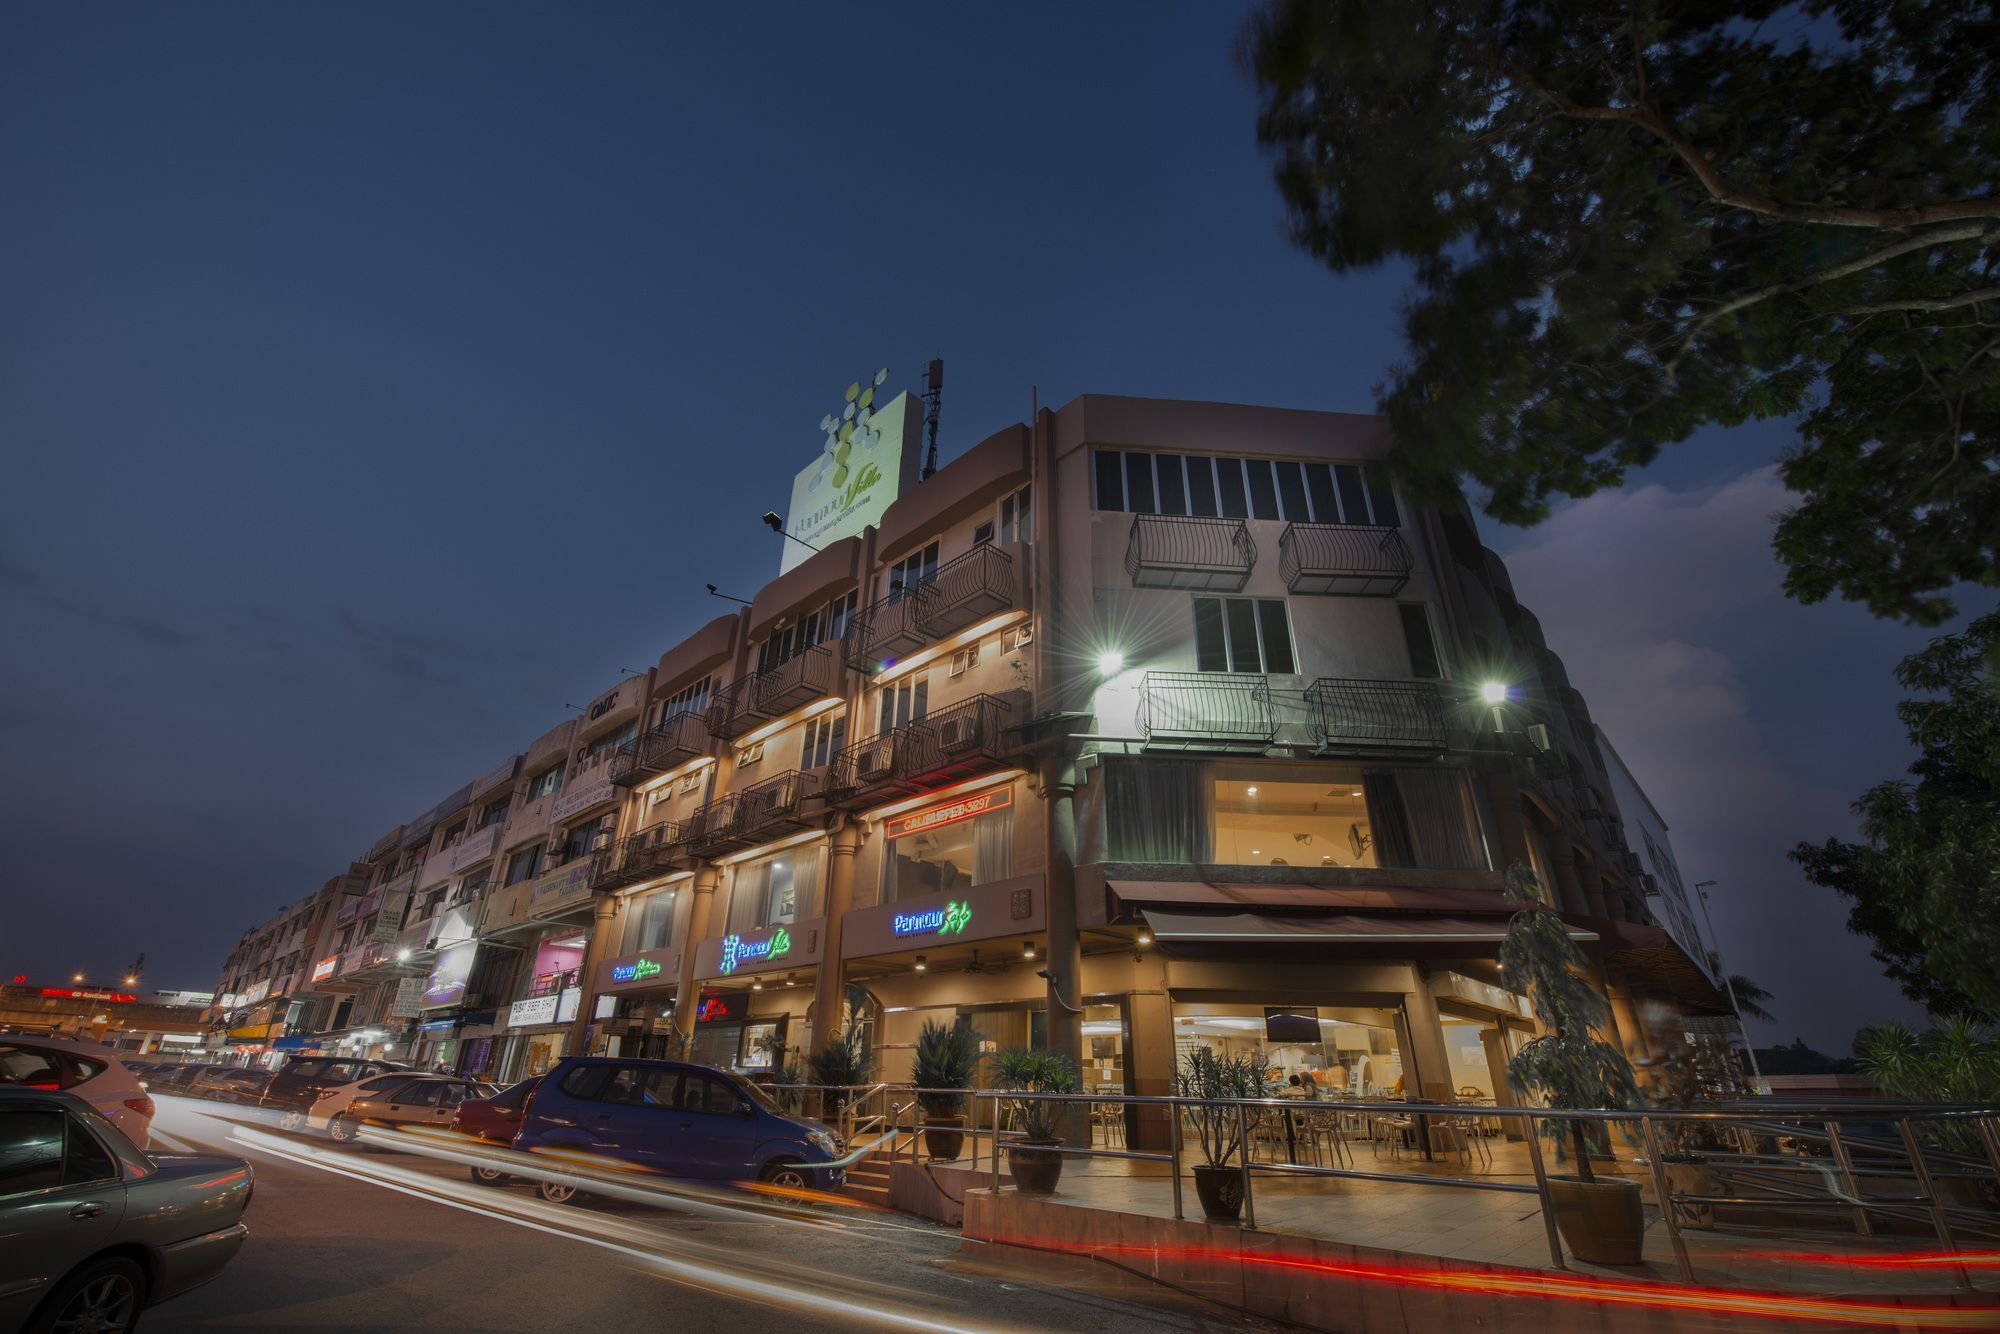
column 944, row 1136
column 1692, row 1178
column 1221, row 1192
column 1035, row 1170
column 1601, row 1220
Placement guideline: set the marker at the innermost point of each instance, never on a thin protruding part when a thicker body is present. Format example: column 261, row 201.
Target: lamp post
column 1728, row 987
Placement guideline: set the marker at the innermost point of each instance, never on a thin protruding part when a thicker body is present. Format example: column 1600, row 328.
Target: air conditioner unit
column 1538, row 733
column 1021, row 635
column 877, row 760
column 957, row 734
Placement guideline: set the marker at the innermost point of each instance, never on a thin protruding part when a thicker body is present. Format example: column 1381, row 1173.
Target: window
column 751, row 753
column 1353, row 498
column 85, row 1160
column 1239, row 488
column 688, row 699
column 652, row 922
column 453, row 836
column 1201, row 487
column 1139, row 483
column 586, row 1081
column 707, row 1094
column 1110, row 480
column 1168, row 470
column 950, row 857
column 31, row 1068
column 903, row 703
column 1262, row 819
column 611, row 740
column 965, row 659
column 1263, row 491
column 1251, row 635
column 419, row 1093
column 1229, row 486
column 525, row 864
column 1015, row 519
column 1417, row 639
column 544, row 783
column 983, row 534
column 825, row 735
column 775, row 890
column 906, row 574
column 1383, row 498
column 31, row 1150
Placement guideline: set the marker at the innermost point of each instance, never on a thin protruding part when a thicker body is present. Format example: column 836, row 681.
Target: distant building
column 1667, row 895
column 198, row 999
column 99, row 1014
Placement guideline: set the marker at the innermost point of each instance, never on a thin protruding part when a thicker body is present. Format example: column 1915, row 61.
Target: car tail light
column 142, row 1104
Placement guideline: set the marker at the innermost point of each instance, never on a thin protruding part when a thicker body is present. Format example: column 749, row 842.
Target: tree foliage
column 1925, row 883
column 1629, row 221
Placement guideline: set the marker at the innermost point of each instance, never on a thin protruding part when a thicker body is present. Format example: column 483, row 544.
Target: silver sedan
column 92, row 1229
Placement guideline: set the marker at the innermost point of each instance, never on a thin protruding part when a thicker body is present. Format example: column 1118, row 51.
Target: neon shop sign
column 635, row 972
column 950, row 920
column 736, row 950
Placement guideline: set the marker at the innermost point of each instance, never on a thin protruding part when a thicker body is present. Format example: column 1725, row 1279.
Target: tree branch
column 1723, row 192
column 1927, row 304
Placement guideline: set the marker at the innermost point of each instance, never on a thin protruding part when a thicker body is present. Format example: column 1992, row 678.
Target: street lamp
column 1110, row 662
column 76, row 978
column 1728, row 987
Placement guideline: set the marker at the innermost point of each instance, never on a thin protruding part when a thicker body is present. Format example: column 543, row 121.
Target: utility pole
column 1729, row 987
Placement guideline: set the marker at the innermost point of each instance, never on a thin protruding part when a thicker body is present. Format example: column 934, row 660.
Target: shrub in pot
column 1690, row 1070
column 1601, row 1218
column 1217, row 1126
column 947, row 1055
column 1036, row 1170
column 839, row 1064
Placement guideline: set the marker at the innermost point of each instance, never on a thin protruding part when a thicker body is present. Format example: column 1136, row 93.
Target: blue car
column 676, row 1119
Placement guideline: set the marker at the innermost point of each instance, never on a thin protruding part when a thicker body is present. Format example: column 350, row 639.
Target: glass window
column 1319, row 484
column 949, row 858
column 641, row 1086
column 25, row 1065
column 1276, row 633
column 1240, row 619
column 1110, row 480
column 545, row 782
column 1229, row 480
column 1355, row 1055
column 419, row 1093
column 1424, row 817
column 1292, row 491
column 1262, row 819
column 1263, row 493
column 707, row 1094
column 824, row 738
column 1353, row 501
column 917, row 568
column 1016, row 518
column 1251, row 635
column 31, row 1149
column 1173, row 483
column 84, row 1159
column 1201, row 487
column 903, row 703
column 652, row 922
column 1417, row 639
column 586, row 1081
column 1139, row 483
column 524, row 865
column 775, row 890
column 1382, row 496
column 1211, row 646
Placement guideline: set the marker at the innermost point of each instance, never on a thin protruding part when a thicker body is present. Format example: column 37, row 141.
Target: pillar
column 1149, row 1055
column 1065, row 954
column 603, row 925
column 1426, row 1071
column 830, row 991
column 699, row 913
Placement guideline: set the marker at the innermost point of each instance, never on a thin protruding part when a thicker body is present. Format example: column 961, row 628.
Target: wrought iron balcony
column 1206, row 710
column 952, row 744
column 963, row 592
column 1349, row 559
column 1351, row 715
column 1176, row 551
column 810, row 674
column 641, row 856
column 865, row 770
column 673, row 743
column 754, row 814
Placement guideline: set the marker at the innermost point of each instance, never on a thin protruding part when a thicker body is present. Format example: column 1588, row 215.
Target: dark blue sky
column 375, row 379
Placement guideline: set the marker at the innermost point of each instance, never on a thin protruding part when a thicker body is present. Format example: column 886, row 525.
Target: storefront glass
column 650, row 921
column 1341, row 1050
column 1104, row 1049
column 948, row 857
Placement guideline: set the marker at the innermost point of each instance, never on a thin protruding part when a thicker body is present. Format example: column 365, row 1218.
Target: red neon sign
column 72, row 993
column 951, row 813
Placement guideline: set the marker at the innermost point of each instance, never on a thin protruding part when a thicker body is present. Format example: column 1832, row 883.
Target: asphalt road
column 354, row 1238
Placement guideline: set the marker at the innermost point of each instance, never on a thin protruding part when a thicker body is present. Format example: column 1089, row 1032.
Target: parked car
column 95, row 1228
column 177, row 1079
column 496, row 1120
column 231, row 1083
column 676, row 1119
column 93, row 1073
column 405, row 1099
column 297, row 1087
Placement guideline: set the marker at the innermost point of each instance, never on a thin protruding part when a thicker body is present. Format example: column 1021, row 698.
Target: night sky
column 377, row 379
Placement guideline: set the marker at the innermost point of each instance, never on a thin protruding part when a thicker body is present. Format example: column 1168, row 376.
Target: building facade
column 1141, row 726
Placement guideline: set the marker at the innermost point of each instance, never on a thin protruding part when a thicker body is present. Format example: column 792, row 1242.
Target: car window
column 382, row 1083
column 307, row 1069
column 31, row 1149
column 706, row 1093
column 84, row 1159
column 518, row 1094
column 586, row 1081
column 86, row 1068
column 420, row 1093
column 25, row 1065
column 451, row 1095
column 641, row 1086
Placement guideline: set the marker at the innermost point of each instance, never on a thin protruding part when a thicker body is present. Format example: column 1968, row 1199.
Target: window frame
column 1256, row 609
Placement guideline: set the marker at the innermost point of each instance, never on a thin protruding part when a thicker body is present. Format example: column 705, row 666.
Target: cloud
column 31, row 587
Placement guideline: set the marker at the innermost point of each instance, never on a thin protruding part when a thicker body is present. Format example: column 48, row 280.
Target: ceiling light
column 1355, row 793
column 1027, row 949
column 1252, row 789
column 920, row 963
column 1145, row 937
column 756, row 986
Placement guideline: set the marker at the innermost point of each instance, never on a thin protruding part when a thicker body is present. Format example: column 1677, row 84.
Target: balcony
column 1358, row 716
column 952, row 744
column 1175, row 551
column 1206, row 711
column 1344, row 559
column 962, row 593
column 773, row 693
column 641, row 856
column 865, row 770
column 673, row 743
column 754, row 815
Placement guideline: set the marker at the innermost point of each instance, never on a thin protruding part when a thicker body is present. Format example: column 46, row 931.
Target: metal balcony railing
column 1175, row 551
column 810, row 674
column 641, row 856
column 673, row 743
column 1360, row 715
column 1206, row 710
column 754, row 814
column 963, row 592
column 955, row 743
column 1349, row 559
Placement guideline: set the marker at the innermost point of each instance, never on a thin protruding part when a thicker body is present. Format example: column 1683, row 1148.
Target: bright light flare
column 1493, row 692
column 1110, row 662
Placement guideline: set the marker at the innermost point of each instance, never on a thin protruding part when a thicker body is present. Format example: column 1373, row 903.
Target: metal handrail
column 1362, row 560
column 1182, row 551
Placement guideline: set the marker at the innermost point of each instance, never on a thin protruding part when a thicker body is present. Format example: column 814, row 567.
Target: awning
column 1392, row 898
column 1370, row 929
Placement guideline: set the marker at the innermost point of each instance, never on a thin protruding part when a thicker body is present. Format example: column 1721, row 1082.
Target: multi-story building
column 1143, row 725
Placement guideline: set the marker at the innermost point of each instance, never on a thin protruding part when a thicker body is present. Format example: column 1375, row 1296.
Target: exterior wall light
column 1110, row 662
column 1027, row 949
column 1493, row 692
column 1145, row 937
column 920, row 963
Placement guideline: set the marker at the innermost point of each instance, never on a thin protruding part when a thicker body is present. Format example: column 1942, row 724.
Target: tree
column 1629, row 221
column 1926, row 882
column 1749, row 998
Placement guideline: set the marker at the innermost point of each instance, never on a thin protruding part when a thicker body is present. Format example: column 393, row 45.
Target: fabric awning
column 1394, row 898
column 1372, row 929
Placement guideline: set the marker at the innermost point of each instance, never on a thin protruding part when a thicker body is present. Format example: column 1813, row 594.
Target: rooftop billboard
column 869, row 455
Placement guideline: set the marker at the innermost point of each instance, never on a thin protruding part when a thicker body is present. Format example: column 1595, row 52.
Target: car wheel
column 343, row 1129
column 556, row 1192
column 292, row 1121
column 789, row 1175
column 489, row 1176
column 100, row 1298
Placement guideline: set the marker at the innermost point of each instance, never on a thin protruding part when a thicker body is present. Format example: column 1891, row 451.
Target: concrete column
column 604, row 926
column 1149, row 1058
column 830, row 989
column 1426, row 1071
column 706, row 877
column 1065, row 953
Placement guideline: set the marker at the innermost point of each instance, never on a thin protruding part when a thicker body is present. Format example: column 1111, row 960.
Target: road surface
column 351, row 1238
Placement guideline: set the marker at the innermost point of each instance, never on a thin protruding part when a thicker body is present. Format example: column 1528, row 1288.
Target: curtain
column 1157, row 811
column 805, row 881
column 747, row 900
column 1387, row 819
column 1421, row 820
column 993, row 846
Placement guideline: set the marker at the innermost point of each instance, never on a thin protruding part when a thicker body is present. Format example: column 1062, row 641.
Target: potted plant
column 947, row 1054
column 786, row 1074
column 1036, row 1169
column 839, row 1064
column 1217, row 1125
column 1569, row 1066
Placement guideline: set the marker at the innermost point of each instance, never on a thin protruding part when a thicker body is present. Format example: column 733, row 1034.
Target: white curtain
column 805, row 882
column 747, row 901
column 993, row 846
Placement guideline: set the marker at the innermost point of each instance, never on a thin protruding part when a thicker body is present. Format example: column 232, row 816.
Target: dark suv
column 294, row 1089
column 678, row 1120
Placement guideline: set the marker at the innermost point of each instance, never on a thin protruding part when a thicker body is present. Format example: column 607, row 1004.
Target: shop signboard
column 657, row 968
column 324, row 968
column 446, row 984
column 582, row 798
column 389, row 921
column 561, row 885
column 719, row 1007
column 792, row 945
column 409, row 998
column 951, row 812
column 550, row 1009
column 257, row 991
column 1015, row 906
column 77, row 993
column 869, row 453
column 475, row 848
